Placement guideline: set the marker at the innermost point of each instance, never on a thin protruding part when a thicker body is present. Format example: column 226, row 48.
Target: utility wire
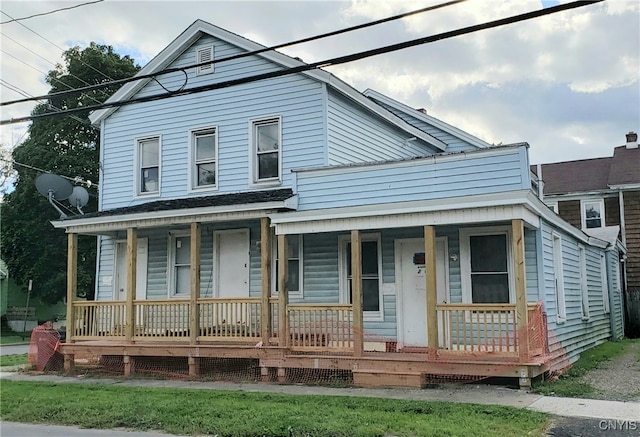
column 76, row 179
column 55, row 45
column 52, row 63
column 251, row 53
column 50, row 12
column 326, row 63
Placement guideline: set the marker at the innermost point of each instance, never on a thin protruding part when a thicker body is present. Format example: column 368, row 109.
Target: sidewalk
column 469, row 393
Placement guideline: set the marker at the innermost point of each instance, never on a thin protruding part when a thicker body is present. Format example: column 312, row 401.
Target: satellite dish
column 79, row 198
column 51, row 184
column 54, row 188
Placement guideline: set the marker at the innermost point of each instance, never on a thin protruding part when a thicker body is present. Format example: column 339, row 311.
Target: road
column 13, row 429
column 14, row 349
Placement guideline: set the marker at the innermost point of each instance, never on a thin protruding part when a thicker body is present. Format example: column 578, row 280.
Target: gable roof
column 452, row 130
column 588, row 175
column 200, row 28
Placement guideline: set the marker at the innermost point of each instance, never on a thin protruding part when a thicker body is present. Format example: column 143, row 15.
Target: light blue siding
column 298, row 99
column 420, row 179
column 454, row 144
column 531, row 265
column 355, row 135
column 105, row 260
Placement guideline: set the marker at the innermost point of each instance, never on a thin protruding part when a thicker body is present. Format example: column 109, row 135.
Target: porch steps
column 386, row 379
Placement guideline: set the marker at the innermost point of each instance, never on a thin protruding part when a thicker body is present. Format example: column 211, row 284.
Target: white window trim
column 553, row 206
column 584, row 289
column 604, row 277
column 205, row 69
column 558, row 277
column 137, row 162
column 465, row 259
column 171, row 257
column 192, row 173
column 253, row 153
column 583, row 212
column 297, row 294
column 343, row 240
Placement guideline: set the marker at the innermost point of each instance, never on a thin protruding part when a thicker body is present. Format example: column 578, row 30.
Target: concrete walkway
column 469, row 393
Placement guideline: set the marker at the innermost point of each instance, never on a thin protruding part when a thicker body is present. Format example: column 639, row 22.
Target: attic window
column 204, row 54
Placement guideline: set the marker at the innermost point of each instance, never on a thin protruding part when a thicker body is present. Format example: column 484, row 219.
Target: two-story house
column 294, row 221
column 596, row 195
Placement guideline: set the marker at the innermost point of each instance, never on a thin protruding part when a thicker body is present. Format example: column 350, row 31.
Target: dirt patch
column 617, row 379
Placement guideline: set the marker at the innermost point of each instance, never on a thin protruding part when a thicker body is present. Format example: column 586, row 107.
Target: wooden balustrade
column 166, row 319
column 229, row 319
column 92, row 319
column 321, row 327
column 273, row 335
column 486, row 328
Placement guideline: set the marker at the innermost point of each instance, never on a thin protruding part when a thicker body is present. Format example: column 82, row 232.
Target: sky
column 568, row 83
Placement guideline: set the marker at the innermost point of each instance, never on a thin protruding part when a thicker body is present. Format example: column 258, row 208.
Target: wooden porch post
column 265, row 257
column 356, row 293
column 522, row 322
column 72, row 283
column 132, row 262
column 283, row 292
column 431, row 288
column 194, row 259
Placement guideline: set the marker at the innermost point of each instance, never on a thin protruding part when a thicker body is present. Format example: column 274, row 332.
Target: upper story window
column 592, row 214
column 204, row 158
column 204, row 54
column 148, row 167
column 266, row 150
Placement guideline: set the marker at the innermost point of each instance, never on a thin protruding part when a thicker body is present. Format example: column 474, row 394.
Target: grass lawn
column 12, row 339
column 568, row 385
column 13, row 360
column 182, row 411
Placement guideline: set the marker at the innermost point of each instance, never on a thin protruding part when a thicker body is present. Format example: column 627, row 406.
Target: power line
column 50, row 12
column 326, row 63
column 77, row 179
column 52, row 63
column 251, row 53
column 55, row 45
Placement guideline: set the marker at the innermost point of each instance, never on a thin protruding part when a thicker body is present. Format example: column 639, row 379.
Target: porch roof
column 245, row 205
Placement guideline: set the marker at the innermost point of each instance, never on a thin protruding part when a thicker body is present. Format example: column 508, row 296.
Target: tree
column 67, row 146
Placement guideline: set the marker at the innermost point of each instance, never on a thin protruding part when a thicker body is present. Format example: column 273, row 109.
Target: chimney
column 632, row 140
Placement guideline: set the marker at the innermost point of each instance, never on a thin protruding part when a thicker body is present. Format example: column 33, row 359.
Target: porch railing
column 166, row 319
column 98, row 320
column 229, row 319
column 320, row 327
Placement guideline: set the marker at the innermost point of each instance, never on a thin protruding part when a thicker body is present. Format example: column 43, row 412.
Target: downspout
column 611, row 293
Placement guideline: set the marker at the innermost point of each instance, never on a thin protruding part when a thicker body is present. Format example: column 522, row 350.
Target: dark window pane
column 293, row 282
column 488, row 253
column 594, row 223
column 369, row 258
column 268, row 165
column 183, row 280
column 149, row 180
column 490, row 288
column 205, row 147
column 207, row 174
column 370, row 295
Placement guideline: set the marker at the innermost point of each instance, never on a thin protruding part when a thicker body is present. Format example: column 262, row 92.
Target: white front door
column 231, row 262
column 412, row 293
column 120, row 291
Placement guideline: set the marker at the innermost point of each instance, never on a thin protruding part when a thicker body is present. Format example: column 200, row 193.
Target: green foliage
column 64, row 145
column 234, row 413
column 568, row 385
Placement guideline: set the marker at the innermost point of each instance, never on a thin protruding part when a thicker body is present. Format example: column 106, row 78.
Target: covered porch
column 507, row 339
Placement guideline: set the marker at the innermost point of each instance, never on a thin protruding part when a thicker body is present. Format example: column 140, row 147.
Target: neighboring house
column 401, row 246
column 601, row 193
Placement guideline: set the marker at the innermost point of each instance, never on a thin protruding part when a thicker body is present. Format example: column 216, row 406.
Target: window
column 558, row 275
column 148, row 158
column 605, row 283
column 180, row 258
column 266, row 150
column 486, row 265
column 584, row 290
column 204, row 54
column 204, row 162
column 592, row 214
column 371, row 275
column 294, row 268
